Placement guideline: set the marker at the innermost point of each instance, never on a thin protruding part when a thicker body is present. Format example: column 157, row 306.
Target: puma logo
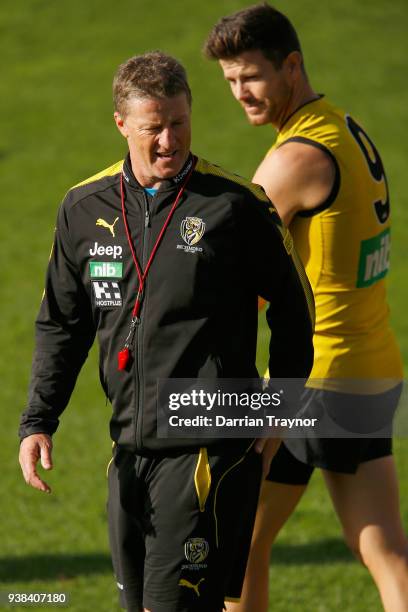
column 189, row 585
column 108, row 226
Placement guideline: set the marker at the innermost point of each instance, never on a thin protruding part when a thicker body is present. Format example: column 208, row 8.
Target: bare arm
column 296, row 176
column 278, row 279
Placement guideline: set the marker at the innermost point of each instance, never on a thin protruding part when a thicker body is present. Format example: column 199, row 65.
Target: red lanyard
column 124, row 354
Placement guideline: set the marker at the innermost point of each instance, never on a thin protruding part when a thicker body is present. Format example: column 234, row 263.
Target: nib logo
column 105, row 269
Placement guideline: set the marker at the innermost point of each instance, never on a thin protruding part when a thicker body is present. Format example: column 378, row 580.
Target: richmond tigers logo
column 192, row 230
column 196, row 550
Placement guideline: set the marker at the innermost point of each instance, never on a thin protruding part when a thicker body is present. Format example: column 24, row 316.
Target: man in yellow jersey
column 326, row 179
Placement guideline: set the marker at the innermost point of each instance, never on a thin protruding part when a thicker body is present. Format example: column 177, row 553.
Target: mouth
column 252, row 107
column 167, row 156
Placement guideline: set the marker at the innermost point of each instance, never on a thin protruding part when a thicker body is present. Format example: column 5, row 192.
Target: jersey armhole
column 336, row 183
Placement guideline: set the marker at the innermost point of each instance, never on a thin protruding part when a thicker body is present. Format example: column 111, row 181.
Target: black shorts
column 342, row 455
column 297, row 457
column 180, row 528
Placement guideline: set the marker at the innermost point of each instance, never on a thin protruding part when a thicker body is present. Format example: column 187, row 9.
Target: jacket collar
column 167, row 185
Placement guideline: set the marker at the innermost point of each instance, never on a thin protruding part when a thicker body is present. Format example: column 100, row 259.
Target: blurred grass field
column 58, row 59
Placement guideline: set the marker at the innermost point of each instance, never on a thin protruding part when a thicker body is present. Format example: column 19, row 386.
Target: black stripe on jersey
column 319, row 97
column 336, row 183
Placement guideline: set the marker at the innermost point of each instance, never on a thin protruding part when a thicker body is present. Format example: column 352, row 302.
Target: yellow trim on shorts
column 202, row 478
column 218, row 486
column 108, row 466
column 110, row 461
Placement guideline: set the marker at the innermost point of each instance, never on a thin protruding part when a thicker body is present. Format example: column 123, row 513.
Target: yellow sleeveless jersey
column 345, row 247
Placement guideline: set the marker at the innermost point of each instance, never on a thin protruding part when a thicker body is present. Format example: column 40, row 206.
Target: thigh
column 126, row 531
column 367, row 503
column 276, row 504
column 203, row 507
column 345, row 415
column 236, row 506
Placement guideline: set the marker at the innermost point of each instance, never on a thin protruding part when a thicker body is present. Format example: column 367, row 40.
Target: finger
column 29, row 455
column 259, row 445
column 28, row 458
column 46, row 455
column 31, row 477
column 37, row 483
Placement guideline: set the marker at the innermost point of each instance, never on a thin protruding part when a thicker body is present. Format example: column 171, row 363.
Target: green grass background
column 57, row 59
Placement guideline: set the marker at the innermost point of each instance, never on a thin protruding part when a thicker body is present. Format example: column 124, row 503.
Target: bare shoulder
column 296, row 176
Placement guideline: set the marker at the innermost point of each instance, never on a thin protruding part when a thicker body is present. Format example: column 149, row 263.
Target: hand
column 267, row 447
column 33, row 448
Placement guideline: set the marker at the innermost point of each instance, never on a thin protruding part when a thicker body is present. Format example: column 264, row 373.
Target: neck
column 142, row 179
column 154, row 181
column 299, row 96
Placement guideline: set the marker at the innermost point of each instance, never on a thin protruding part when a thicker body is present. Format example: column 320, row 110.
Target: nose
column 167, row 139
column 239, row 90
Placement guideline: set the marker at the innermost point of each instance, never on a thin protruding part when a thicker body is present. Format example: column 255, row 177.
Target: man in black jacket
column 163, row 256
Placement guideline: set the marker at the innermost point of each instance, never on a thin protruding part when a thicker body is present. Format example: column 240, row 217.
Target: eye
column 153, row 130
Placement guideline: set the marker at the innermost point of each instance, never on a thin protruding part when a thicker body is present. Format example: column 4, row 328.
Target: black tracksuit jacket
column 199, row 312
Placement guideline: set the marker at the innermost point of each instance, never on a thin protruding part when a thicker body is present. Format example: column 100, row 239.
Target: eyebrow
column 156, row 124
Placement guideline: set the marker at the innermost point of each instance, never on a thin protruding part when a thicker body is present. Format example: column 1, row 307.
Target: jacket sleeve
column 64, row 334
column 280, row 279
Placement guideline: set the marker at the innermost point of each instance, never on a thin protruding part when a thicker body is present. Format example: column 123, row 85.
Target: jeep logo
column 112, row 251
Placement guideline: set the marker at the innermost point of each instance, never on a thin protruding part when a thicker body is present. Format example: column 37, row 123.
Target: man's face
column 158, row 131
column 263, row 91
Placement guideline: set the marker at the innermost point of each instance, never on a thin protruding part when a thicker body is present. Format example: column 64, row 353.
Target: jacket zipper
column 139, row 329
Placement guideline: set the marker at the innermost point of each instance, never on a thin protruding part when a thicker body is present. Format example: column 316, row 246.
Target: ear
column 293, row 63
column 120, row 124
